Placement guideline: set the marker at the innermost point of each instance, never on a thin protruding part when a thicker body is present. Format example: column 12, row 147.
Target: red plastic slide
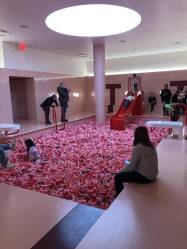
column 119, row 120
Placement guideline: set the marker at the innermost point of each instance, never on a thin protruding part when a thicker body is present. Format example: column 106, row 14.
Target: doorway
column 23, row 98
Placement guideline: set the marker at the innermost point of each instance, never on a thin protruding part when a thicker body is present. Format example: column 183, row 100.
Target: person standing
column 46, row 104
column 165, row 95
column 63, row 93
column 135, row 80
column 185, row 98
column 175, row 108
column 174, row 98
column 152, row 101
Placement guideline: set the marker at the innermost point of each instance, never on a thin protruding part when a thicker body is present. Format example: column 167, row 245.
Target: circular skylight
column 93, row 20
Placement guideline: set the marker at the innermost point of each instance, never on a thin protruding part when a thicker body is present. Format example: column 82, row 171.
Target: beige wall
column 31, row 100
column 5, row 99
column 159, row 62
column 38, row 87
column 44, row 84
column 150, row 82
column 43, row 87
column 42, row 61
column 18, row 98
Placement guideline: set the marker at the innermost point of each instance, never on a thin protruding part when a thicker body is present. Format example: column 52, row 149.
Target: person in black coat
column 174, row 98
column 152, row 101
column 176, row 108
column 63, row 93
column 49, row 102
column 165, row 98
column 185, row 98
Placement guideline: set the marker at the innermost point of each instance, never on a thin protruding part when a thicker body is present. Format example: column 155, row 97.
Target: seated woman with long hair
column 143, row 167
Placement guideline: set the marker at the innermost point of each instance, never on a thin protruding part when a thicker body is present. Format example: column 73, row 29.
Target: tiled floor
column 71, row 229
column 26, row 216
column 148, row 216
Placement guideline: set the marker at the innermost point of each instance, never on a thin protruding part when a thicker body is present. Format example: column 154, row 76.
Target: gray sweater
column 144, row 161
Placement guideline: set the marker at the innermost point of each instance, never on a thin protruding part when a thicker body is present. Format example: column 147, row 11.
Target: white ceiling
column 164, row 22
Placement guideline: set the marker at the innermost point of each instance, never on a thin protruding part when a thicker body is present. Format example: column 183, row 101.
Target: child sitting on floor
column 32, row 152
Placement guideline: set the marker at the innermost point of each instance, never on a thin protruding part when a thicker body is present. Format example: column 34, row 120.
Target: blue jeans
column 3, row 158
column 126, row 103
column 5, row 146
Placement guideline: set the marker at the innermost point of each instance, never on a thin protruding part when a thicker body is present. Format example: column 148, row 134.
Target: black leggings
column 46, row 110
column 152, row 107
column 132, row 176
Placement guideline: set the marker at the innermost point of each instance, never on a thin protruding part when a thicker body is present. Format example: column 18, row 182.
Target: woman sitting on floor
column 143, row 167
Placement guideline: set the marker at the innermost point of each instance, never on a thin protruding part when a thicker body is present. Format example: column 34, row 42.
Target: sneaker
column 48, row 123
column 64, row 120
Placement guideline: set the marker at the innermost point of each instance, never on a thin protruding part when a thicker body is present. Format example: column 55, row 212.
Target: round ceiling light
column 93, row 20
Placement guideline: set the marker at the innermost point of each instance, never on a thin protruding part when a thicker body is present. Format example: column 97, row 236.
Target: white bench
column 176, row 126
column 9, row 129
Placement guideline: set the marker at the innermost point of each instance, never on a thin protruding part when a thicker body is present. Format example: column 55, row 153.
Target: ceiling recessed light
column 4, row 32
column 122, row 41
column 93, row 20
column 23, row 26
column 82, row 55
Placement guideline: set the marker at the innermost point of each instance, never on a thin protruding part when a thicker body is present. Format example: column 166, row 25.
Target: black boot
column 48, row 122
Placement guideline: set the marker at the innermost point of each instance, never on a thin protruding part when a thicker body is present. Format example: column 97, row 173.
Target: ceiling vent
column 4, row 32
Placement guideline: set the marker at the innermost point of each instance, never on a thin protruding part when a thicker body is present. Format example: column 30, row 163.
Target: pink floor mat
column 80, row 162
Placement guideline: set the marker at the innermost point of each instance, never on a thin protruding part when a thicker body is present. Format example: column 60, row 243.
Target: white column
column 99, row 82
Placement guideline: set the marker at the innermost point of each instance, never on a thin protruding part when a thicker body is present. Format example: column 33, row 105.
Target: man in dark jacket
column 49, row 102
column 152, row 101
column 63, row 93
column 136, row 83
column 165, row 98
column 185, row 99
